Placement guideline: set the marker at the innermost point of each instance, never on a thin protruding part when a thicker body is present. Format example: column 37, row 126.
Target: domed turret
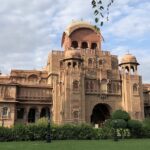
column 129, row 64
column 129, row 58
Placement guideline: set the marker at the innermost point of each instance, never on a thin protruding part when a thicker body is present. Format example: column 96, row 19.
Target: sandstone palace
column 83, row 83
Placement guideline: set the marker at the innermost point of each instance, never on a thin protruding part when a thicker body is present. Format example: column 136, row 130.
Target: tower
column 132, row 96
column 78, row 39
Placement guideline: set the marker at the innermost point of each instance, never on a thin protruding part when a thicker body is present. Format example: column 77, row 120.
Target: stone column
column 26, row 112
column 37, row 113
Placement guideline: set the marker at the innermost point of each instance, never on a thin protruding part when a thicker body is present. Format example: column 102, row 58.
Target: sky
column 29, row 30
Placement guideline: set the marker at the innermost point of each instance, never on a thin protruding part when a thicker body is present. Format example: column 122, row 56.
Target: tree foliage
column 101, row 11
column 121, row 123
column 135, row 127
column 120, row 114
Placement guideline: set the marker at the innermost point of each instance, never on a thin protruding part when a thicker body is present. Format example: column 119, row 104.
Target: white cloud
column 129, row 20
column 29, row 30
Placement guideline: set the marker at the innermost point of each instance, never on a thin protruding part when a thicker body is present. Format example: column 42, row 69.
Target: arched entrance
column 31, row 115
column 44, row 112
column 100, row 113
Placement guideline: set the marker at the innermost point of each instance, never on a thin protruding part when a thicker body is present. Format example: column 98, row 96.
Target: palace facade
column 83, row 83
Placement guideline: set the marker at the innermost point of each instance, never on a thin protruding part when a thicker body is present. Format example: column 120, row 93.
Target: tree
column 101, row 11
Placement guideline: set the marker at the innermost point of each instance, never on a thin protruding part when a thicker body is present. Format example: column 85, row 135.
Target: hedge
column 36, row 132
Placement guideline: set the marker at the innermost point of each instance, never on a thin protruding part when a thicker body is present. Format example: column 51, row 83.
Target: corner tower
column 132, row 95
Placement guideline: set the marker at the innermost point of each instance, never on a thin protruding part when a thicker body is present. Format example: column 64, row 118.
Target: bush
column 42, row 121
column 120, row 114
column 118, row 123
column 74, row 132
column 6, row 134
column 146, row 128
column 20, row 132
column 104, row 133
column 135, row 127
column 38, row 132
column 146, row 123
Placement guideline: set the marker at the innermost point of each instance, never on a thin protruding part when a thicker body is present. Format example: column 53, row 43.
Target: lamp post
column 48, row 138
column 115, row 131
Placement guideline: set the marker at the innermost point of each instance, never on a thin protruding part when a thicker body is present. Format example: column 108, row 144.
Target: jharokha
column 82, row 84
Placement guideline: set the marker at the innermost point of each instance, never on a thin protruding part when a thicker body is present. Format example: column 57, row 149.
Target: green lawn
column 143, row 144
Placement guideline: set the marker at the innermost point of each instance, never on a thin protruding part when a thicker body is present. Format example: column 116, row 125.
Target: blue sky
column 31, row 29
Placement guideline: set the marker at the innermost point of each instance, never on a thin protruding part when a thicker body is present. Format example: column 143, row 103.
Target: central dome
column 79, row 24
column 81, row 34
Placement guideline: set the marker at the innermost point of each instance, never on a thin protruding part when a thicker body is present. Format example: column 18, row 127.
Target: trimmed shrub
column 120, row 114
column 118, row 123
column 33, row 132
column 135, row 127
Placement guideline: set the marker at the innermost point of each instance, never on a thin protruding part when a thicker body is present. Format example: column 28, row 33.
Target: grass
column 136, row 144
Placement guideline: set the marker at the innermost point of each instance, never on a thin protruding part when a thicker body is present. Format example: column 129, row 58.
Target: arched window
column 5, row 111
column 20, row 113
column 44, row 112
column 100, row 62
column 76, row 114
column 84, row 45
column 132, row 70
column 93, row 46
column 74, row 64
column 90, row 61
column 69, row 64
column 75, row 85
column 135, row 88
column 74, row 44
column 103, row 85
column 109, row 88
column 33, row 78
column 32, row 115
column 126, row 69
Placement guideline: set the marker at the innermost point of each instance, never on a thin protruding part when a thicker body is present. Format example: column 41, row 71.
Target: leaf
column 102, row 15
column 101, row 8
column 102, row 23
column 96, row 20
column 94, row 6
column 96, row 12
column 99, row 2
column 93, row 2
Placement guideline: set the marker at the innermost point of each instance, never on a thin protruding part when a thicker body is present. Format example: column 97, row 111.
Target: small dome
column 72, row 54
column 128, row 58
